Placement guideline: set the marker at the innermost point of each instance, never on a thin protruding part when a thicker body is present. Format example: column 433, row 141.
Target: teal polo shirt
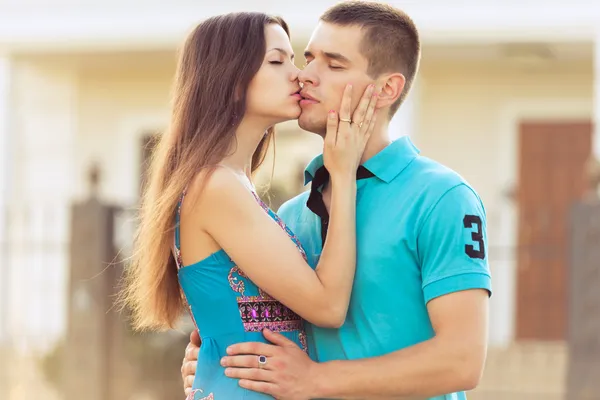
column 421, row 234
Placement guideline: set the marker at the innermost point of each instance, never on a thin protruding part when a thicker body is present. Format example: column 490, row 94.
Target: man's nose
column 307, row 76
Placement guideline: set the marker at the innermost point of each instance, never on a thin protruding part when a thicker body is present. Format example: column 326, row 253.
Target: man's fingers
column 262, row 387
column 278, row 339
column 363, row 105
column 191, row 352
column 188, row 368
column 254, row 374
column 195, row 338
column 188, row 383
column 255, row 348
column 241, row 361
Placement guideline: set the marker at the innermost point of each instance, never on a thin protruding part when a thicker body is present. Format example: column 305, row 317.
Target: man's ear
column 392, row 87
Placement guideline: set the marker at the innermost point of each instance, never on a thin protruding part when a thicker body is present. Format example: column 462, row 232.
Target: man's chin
column 311, row 125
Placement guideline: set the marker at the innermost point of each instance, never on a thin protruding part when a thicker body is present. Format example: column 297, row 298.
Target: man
column 417, row 322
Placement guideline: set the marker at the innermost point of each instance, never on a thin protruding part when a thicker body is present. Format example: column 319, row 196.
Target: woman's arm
column 264, row 252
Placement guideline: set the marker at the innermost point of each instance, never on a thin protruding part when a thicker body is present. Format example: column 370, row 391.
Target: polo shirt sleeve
column 452, row 245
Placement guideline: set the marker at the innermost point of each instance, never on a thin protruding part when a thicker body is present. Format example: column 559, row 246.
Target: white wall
column 468, row 120
column 44, row 126
column 116, row 108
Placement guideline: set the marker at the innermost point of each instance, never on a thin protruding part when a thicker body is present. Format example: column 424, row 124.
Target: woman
column 205, row 232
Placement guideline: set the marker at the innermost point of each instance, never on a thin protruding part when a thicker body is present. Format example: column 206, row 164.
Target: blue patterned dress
column 228, row 308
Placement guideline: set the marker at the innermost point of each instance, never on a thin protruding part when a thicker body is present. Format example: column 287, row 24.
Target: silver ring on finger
column 262, row 362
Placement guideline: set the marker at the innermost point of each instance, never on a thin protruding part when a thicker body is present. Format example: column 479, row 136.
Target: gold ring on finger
column 346, row 120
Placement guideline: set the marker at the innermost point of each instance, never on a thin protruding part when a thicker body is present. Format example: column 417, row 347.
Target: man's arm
column 452, row 250
column 450, row 362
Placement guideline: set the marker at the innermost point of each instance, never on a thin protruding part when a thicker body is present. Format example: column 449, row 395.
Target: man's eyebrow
column 337, row 57
column 283, row 51
column 330, row 55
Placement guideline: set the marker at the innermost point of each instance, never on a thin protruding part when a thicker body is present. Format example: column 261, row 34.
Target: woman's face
column 273, row 92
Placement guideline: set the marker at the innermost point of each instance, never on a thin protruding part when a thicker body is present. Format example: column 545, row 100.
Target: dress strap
column 177, row 232
column 177, row 250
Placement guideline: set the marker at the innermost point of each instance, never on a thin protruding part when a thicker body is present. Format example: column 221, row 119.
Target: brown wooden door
column 552, row 175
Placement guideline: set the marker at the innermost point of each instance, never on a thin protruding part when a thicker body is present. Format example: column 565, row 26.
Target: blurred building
column 508, row 96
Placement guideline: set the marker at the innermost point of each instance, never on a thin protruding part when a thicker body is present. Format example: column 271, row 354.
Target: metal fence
column 34, row 259
column 35, row 295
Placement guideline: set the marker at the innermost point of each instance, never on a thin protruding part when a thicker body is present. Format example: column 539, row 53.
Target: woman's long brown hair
column 219, row 59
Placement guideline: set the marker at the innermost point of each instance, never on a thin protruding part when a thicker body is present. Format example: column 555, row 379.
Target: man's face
column 333, row 60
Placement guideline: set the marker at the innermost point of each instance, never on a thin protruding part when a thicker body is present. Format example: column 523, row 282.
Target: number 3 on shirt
column 474, row 222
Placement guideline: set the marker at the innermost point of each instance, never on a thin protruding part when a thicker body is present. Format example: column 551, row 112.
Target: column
column 5, row 183
column 48, row 101
column 404, row 122
column 6, row 173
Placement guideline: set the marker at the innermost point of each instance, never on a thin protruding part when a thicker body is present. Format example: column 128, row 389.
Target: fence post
column 86, row 366
column 584, row 303
column 91, row 325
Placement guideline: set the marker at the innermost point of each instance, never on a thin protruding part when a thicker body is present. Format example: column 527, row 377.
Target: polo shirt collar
column 385, row 165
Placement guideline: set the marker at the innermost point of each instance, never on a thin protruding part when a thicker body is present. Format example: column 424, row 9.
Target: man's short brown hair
column 390, row 42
